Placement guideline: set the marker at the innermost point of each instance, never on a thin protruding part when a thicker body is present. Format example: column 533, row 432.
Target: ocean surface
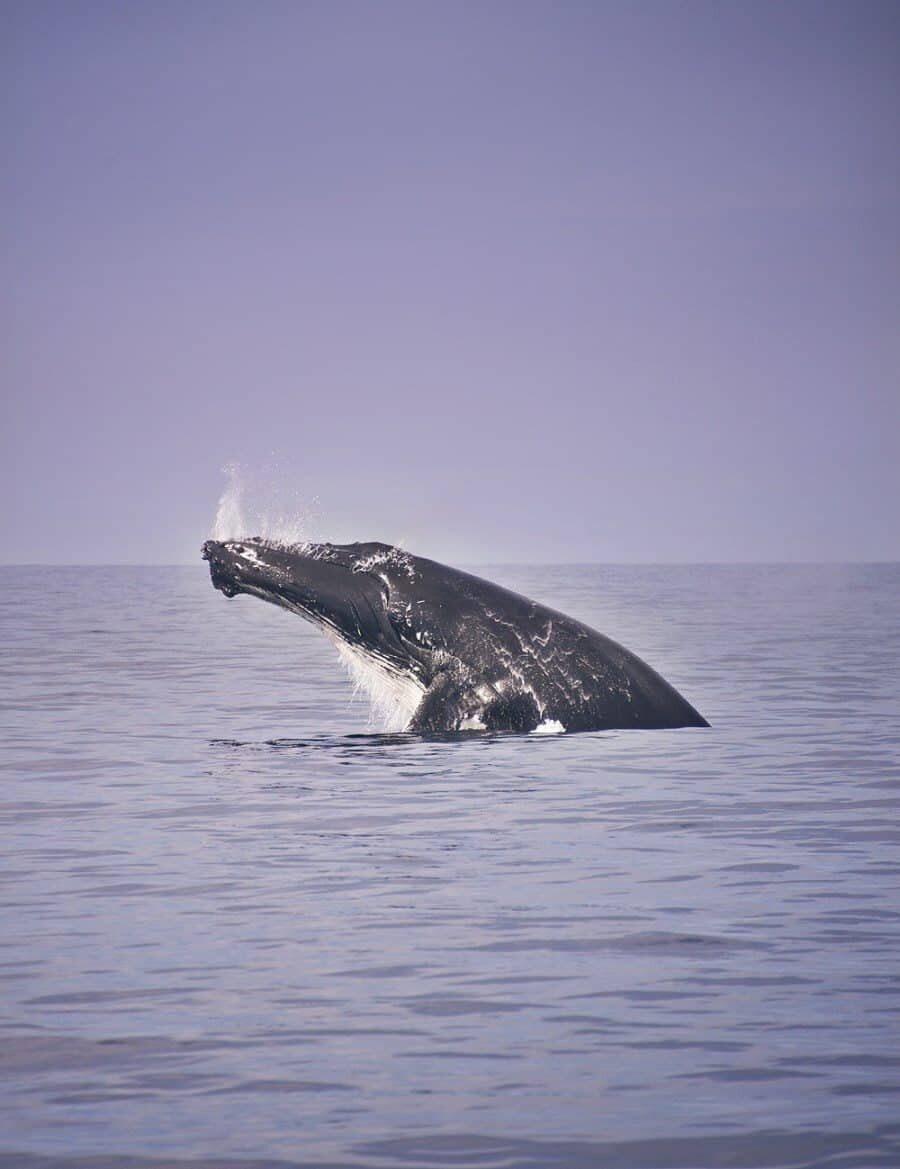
column 242, row 928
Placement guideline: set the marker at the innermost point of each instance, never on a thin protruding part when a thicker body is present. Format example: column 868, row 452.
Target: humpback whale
column 449, row 650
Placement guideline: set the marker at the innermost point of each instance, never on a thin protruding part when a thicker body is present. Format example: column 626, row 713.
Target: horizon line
column 483, row 563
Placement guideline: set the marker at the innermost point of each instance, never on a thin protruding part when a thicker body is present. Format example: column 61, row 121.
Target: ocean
column 241, row 927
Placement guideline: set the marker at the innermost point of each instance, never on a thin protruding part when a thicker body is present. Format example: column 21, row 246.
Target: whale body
column 447, row 650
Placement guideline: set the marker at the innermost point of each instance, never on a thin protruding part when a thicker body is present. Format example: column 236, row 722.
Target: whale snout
column 221, row 567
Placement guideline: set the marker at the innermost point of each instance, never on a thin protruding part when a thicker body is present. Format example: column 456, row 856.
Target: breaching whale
column 452, row 651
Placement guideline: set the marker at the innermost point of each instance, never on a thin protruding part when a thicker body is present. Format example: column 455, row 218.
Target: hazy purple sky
column 510, row 281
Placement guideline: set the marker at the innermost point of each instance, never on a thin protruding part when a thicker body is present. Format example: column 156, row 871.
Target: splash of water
column 229, row 523
column 258, row 504
column 393, row 697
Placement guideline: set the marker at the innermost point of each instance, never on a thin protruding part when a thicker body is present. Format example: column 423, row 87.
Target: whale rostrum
column 442, row 650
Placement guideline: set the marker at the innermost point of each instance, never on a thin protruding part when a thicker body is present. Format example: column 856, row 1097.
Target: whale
column 440, row 650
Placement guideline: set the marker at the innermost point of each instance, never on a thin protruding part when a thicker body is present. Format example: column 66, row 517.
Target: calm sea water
column 239, row 930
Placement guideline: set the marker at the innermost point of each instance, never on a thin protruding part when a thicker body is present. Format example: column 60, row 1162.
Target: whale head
column 373, row 600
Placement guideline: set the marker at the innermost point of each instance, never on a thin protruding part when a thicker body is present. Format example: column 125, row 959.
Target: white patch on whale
column 250, row 554
column 549, row 726
column 389, row 558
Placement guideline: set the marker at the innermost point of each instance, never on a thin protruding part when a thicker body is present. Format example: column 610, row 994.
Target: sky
column 503, row 281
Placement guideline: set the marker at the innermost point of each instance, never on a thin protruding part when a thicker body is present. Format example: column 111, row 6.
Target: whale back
column 576, row 676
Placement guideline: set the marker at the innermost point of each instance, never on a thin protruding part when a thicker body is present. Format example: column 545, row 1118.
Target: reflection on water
column 240, row 928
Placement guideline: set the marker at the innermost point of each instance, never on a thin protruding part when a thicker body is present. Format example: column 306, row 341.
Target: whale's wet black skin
column 453, row 651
